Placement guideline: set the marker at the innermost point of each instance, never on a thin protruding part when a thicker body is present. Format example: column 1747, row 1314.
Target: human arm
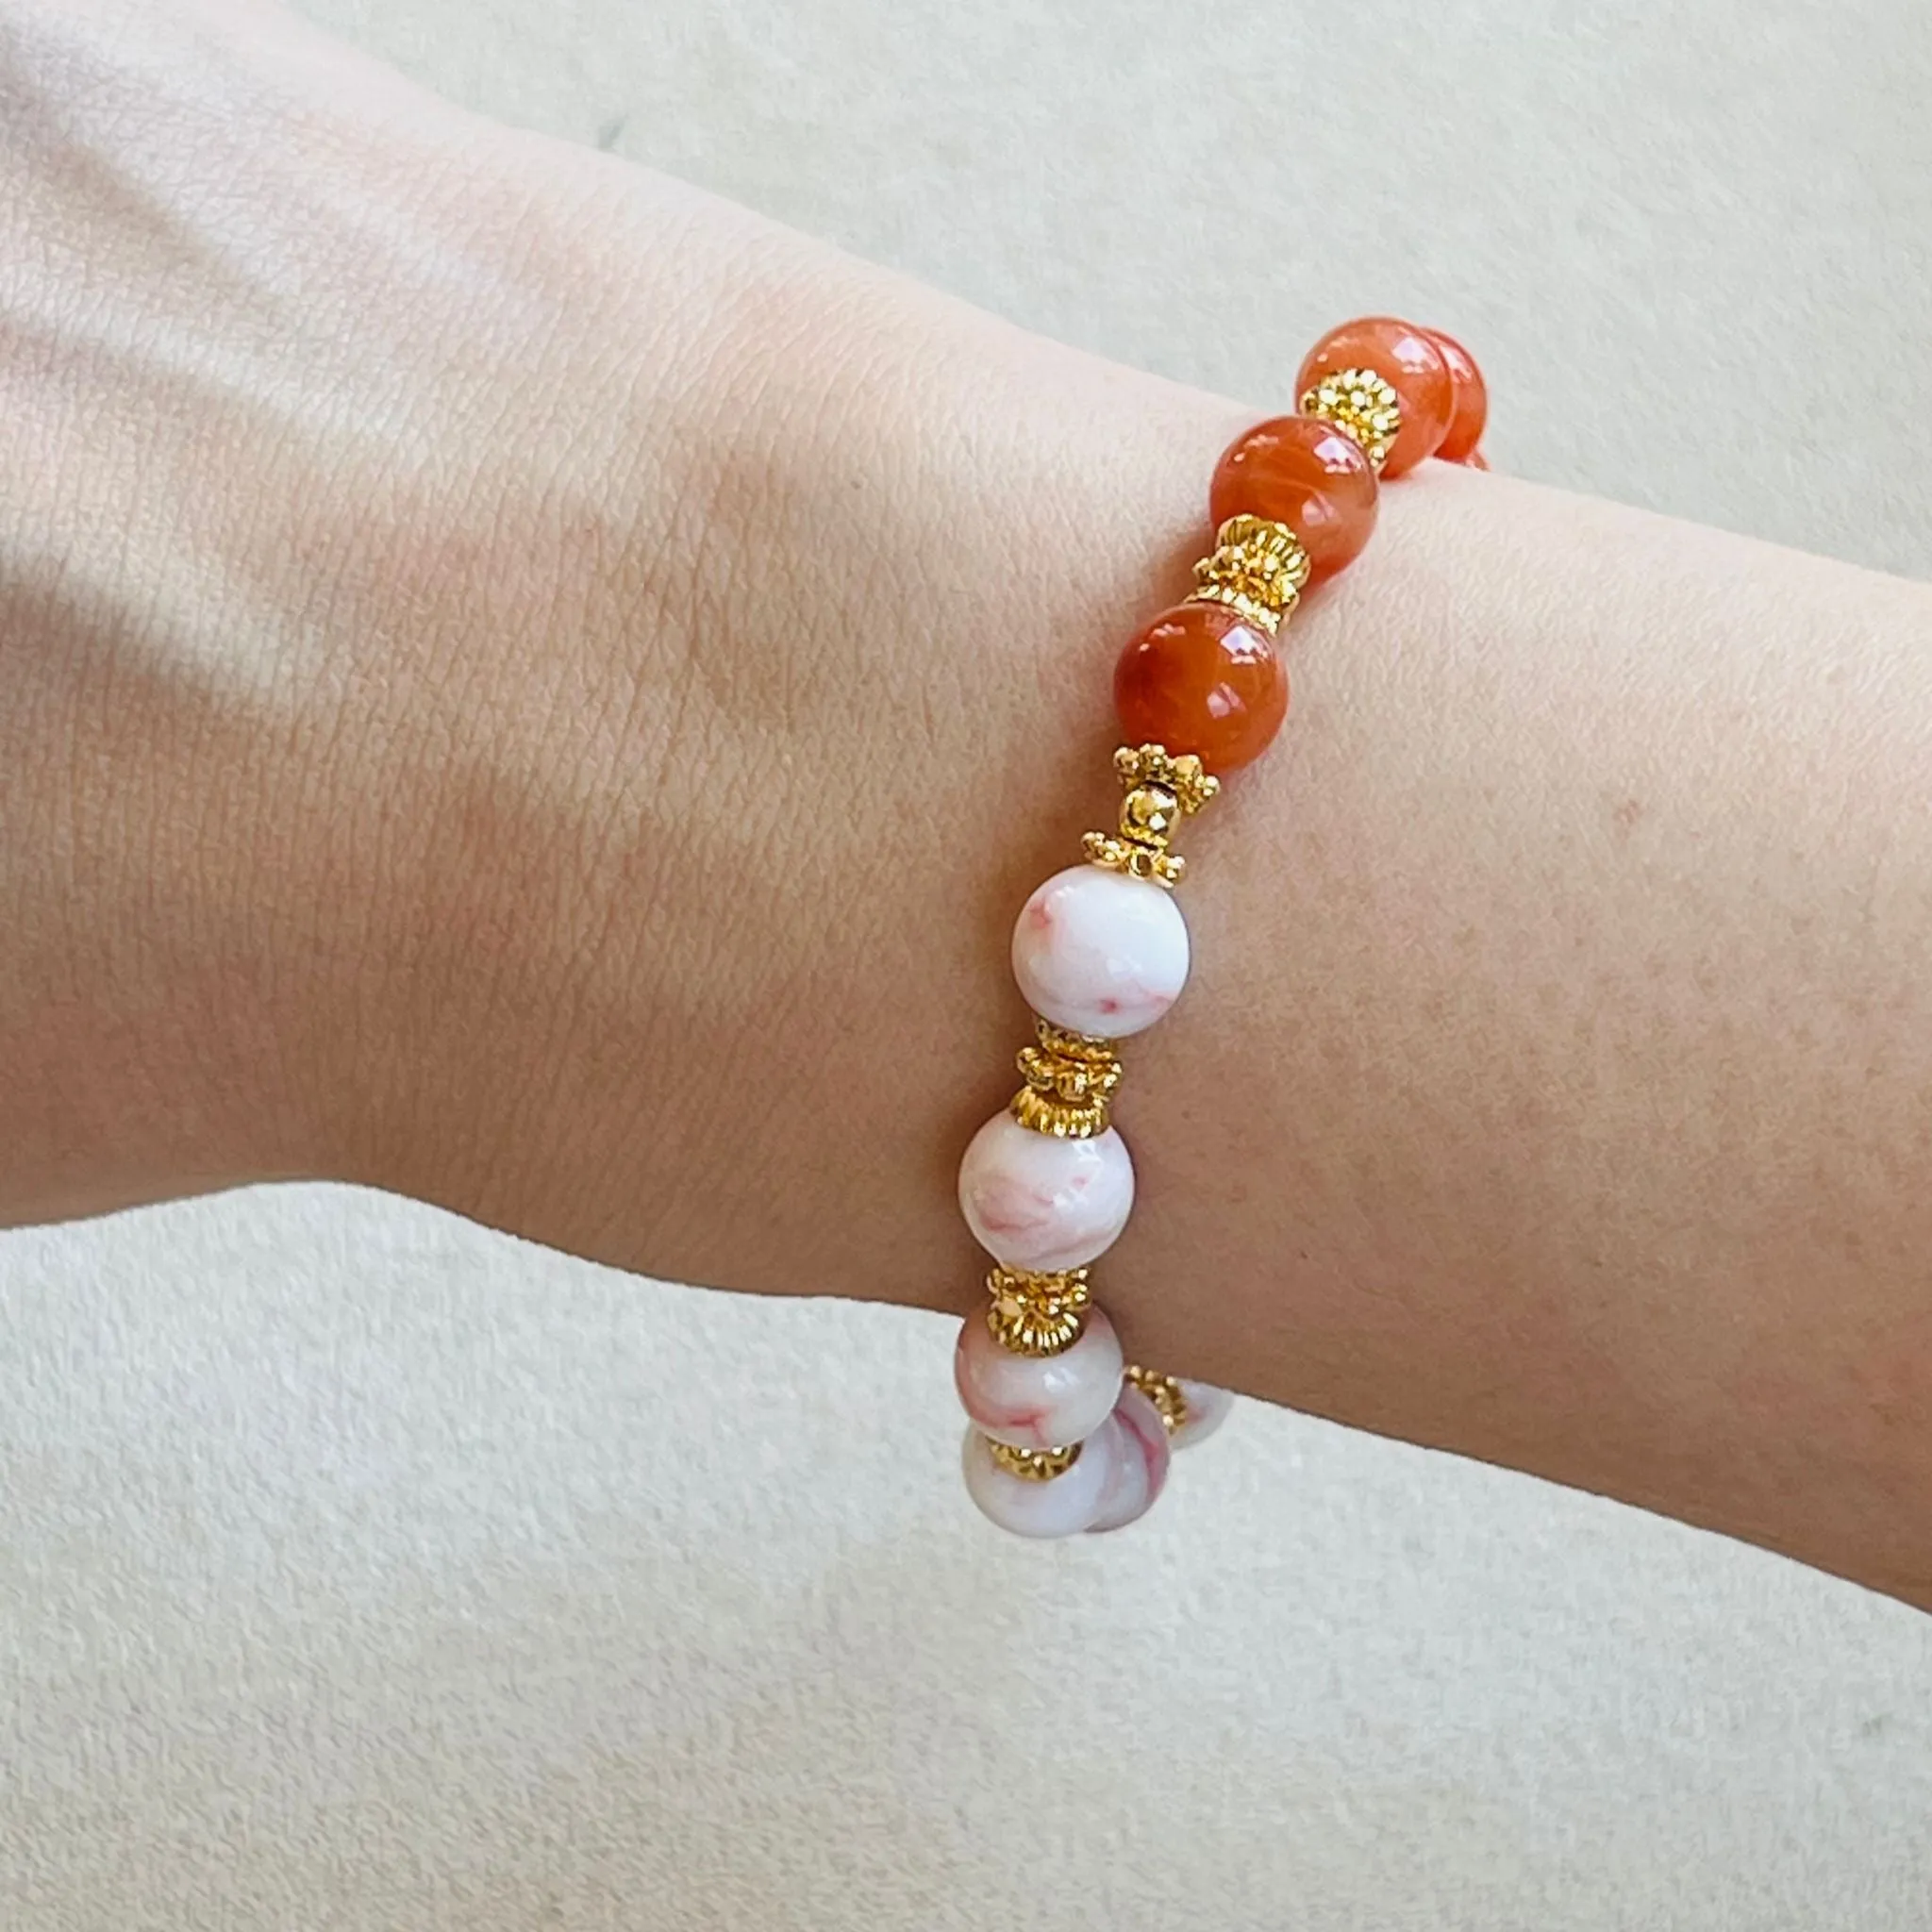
column 531, row 687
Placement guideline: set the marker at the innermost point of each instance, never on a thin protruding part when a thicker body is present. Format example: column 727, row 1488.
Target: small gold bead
column 1036, row 1313
column 1034, row 1465
column 1362, row 405
column 1149, row 812
column 1163, row 1391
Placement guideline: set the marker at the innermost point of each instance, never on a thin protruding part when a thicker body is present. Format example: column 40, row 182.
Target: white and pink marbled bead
column 1063, row 1506
column 1100, row 951
column 1207, row 1409
column 1038, row 1401
column 1137, row 1459
column 1115, row 1480
column 1039, row 1202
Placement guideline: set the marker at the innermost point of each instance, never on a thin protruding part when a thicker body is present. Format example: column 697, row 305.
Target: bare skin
column 532, row 688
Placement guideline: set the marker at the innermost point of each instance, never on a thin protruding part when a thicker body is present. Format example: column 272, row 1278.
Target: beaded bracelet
column 1066, row 1435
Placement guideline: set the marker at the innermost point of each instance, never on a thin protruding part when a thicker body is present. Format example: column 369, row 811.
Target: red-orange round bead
column 1307, row 474
column 1409, row 360
column 1472, row 401
column 1201, row 678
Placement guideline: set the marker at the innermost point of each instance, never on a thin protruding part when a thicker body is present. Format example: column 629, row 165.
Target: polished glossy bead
column 1062, row 1506
column 1402, row 355
column 1201, row 678
column 1100, row 951
column 1039, row 1202
column 1207, row 1408
column 1471, row 402
column 1038, row 1401
column 1307, row 474
column 1138, row 1452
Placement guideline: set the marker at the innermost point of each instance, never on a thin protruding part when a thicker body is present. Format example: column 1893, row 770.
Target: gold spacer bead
column 1264, row 536
column 1034, row 1313
column 1360, row 404
column 1161, row 790
column 1149, row 764
column 1129, row 856
column 1257, row 569
column 1034, row 1465
column 1163, row 1391
column 1071, row 1080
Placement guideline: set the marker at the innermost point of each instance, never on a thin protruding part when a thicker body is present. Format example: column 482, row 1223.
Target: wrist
column 785, row 815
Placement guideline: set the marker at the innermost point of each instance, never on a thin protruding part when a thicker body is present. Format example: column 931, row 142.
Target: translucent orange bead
column 1201, row 678
column 1472, row 401
column 1307, row 474
column 1409, row 360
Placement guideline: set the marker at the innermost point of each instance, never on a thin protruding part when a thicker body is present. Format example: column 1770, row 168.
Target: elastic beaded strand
column 1067, row 1436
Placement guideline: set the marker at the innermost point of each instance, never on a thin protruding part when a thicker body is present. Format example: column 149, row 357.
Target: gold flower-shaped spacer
column 1034, row 1465
column 1038, row 1313
column 1259, row 568
column 1360, row 403
column 1163, row 1391
column 1071, row 1080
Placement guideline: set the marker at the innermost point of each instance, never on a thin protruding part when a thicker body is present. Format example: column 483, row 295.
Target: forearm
column 600, row 725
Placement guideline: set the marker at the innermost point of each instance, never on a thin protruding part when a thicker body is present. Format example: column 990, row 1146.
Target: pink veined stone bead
column 1138, row 1461
column 1036, row 1201
column 1063, row 1506
column 1207, row 1409
column 1038, row 1401
column 1099, row 952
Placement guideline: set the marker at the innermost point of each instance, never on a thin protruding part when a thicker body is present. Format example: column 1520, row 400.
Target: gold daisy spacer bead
column 1034, row 1465
column 1070, row 1081
column 1036, row 1313
column 1362, row 403
column 1258, row 568
column 1163, row 1391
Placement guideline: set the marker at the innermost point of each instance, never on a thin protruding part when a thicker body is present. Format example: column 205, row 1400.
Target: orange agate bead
column 1409, row 361
column 1307, row 474
column 1201, row 678
column 1472, row 401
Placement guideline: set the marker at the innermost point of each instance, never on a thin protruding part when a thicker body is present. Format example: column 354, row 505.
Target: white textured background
column 365, row 1571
